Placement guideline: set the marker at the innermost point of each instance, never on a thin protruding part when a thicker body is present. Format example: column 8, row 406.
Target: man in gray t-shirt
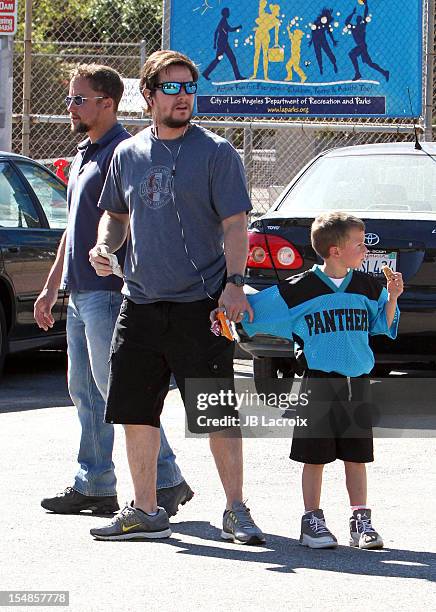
column 181, row 192
column 209, row 181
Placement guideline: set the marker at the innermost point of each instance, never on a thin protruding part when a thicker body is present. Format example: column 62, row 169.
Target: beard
column 176, row 123
column 80, row 128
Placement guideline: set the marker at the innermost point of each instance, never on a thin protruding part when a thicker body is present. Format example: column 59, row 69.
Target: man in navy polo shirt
column 94, row 303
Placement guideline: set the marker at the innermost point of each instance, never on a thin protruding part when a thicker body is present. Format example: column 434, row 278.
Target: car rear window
column 363, row 183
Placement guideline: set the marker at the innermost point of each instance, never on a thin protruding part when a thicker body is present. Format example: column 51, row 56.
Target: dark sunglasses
column 172, row 88
column 79, row 100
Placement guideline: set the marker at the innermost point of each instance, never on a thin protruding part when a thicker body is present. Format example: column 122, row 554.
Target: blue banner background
column 385, row 42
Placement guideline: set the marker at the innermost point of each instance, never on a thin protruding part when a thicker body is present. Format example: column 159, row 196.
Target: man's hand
column 235, row 303
column 43, row 307
column 101, row 264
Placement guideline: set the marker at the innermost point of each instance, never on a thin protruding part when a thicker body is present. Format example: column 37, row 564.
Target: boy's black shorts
column 338, row 420
column 150, row 342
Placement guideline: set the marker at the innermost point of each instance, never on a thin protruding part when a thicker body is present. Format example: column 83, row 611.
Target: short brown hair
column 331, row 229
column 161, row 60
column 103, row 79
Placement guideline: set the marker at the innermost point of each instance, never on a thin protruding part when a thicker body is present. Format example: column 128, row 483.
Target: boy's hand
column 395, row 285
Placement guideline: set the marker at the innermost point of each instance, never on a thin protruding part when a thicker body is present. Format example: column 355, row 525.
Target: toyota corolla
column 392, row 187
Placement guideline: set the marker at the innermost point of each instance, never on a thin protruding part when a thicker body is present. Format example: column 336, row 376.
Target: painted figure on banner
column 265, row 22
column 320, row 29
column 221, row 44
column 358, row 31
column 296, row 37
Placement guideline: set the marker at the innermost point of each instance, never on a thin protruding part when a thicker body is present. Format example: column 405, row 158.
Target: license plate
column 375, row 260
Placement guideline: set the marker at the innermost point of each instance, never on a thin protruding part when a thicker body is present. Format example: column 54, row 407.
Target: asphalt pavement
column 194, row 569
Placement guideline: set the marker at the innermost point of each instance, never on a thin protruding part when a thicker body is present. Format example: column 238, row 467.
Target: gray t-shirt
column 209, row 186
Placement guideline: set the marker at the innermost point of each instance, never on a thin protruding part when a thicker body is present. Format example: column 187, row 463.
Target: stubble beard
column 79, row 128
column 176, row 123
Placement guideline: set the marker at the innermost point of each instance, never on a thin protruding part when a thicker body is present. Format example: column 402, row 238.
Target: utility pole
column 8, row 26
column 27, row 75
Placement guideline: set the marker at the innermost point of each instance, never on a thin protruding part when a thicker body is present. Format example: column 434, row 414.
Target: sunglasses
column 79, row 100
column 172, row 88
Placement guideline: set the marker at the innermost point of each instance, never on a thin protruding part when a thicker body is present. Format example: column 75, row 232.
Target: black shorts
column 339, row 420
column 150, row 342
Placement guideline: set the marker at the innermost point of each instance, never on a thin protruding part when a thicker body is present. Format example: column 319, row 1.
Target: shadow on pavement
column 34, row 380
column 37, row 379
column 286, row 555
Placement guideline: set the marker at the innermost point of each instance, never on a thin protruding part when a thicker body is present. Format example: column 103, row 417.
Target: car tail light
column 262, row 247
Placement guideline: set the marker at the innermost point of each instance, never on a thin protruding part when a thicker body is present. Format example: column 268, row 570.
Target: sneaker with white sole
column 362, row 533
column 314, row 532
column 239, row 526
column 132, row 523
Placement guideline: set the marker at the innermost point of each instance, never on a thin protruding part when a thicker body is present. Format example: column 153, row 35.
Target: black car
column 392, row 187
column 33, row 217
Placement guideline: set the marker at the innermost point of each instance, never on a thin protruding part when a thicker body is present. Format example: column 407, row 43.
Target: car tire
column 273, row 375
column 3, row 338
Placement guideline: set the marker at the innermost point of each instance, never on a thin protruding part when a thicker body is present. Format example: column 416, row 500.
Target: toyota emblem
column 372, row 239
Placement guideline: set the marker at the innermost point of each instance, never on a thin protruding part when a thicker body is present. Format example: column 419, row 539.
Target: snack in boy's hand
column 388, row 273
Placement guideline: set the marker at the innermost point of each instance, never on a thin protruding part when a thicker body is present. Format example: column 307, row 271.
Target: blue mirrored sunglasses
column 172, row 88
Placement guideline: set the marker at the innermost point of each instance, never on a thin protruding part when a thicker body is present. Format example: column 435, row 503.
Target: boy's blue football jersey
column 330, row 325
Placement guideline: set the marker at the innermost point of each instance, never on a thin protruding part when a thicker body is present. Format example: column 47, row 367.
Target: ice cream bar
column 388, row 273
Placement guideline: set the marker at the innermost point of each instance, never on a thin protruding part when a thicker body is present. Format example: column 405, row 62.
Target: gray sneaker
column 240, row 527
column 314, row 532
column 362, row 533
column 132, row 523
column 172, row 497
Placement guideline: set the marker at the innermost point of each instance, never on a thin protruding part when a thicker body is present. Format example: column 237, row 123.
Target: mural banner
column 319, row 58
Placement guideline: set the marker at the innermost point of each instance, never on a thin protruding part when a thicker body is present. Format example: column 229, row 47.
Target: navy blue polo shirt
column 87, row 176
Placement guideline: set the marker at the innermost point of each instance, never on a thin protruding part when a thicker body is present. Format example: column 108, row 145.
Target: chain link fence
column 272, row 151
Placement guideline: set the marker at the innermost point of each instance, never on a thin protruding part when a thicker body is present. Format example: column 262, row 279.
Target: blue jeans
column 91, row 318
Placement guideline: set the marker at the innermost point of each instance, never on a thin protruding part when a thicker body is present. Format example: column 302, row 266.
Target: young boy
column 330, row 311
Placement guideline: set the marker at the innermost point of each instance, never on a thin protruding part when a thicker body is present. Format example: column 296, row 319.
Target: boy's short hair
column 331, row 229
column 161, row 60
column 103, row 79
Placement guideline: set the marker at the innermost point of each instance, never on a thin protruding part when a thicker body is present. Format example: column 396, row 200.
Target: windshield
column 365, row 182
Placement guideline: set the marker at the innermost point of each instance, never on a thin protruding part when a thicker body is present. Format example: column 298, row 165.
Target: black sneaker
column 133, row 524
column 240, row 527
column 362, row 533
column 71, row 501
column 172, row 497
column 314, row 532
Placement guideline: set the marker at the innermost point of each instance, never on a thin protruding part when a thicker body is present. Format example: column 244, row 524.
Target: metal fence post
column 429, row 77
column 166, row 24
column 27, row 78
column 248, row 156
column 142, row 52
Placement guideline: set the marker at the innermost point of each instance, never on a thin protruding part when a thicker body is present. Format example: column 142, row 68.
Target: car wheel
column 273, row 375
column 3, row 338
